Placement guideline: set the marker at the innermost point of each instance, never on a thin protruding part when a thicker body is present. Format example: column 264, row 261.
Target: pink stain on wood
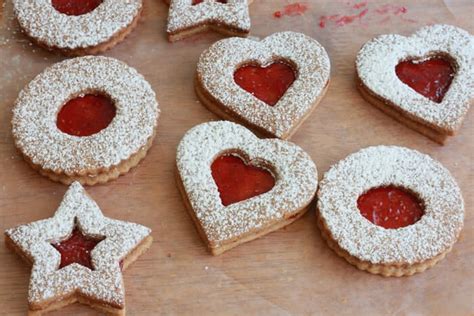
column 293, row 9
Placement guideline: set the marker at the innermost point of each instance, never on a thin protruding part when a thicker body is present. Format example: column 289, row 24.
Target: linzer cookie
column 88, row 119
column 271, row 86
column 78, row 255
column 77, row 27
column 238, row 187
column 390, row 210
column 424, row 81
column 189, row 17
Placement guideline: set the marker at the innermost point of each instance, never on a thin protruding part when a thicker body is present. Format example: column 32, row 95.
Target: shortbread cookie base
column 404, row 118
column 217, row 249
column 185, row 33
column 386, row 270
column 96, row 176
column 92, row 50
column 219, row 109
column 56, row 304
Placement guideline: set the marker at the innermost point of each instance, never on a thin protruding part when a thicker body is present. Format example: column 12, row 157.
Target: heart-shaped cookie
column 425, row 80
column 248, row 81
column 256, row 205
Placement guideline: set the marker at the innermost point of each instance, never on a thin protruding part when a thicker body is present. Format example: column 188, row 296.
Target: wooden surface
column 291, row 271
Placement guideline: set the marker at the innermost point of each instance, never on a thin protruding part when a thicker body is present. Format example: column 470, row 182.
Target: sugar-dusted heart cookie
column 270, row 85
column 425, row 80
column 238, row 187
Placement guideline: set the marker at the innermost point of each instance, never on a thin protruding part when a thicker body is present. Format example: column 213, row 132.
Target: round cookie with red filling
column 88, row 119
column 424, row 80
column 390, row 210
column 74, row 27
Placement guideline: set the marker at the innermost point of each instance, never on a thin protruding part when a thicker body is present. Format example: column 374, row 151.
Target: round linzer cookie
column 238, row 187
column 77, row 28
column 424, row 81
column 190, row 17
column 271, row 86
column 88, row 119
column 78, row 255
column 390, row 210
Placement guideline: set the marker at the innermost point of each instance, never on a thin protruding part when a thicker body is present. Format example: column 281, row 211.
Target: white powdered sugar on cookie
column 35, row 113
column 217, row 65
column 434, row 234
column 294, row 172
column 378, row 58
column 103, row 284
column 41, row 21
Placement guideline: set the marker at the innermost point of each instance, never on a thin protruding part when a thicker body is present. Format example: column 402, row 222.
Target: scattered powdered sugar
column 104, row 283
column 371, row 167
column 43, row 22
column 294, row 172
column 35, row 113
column 183, row 15
column 218, row 64
column 378, row 58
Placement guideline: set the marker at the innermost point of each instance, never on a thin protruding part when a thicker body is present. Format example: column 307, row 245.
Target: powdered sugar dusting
column 35, row 113
column 217, row 65
column 41, row 21
column 376, row 63
column 104, row 283
column 294, row 171
column 371, row 167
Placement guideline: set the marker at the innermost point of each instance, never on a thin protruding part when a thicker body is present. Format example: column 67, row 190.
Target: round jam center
column 430, row 78
column 269, row 83
column 76, row 249
column 86, row 115
column 390, row 207
column 238, row 181
column 75, row 7
column 200, row 1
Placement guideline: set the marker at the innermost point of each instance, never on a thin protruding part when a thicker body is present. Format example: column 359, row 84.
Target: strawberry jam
column 430, row 78
column 269, row 83
column 238, row 181
column 200, row 1
column 85, row 116
column 76, row 249
column 75, row 7
column 390, row 207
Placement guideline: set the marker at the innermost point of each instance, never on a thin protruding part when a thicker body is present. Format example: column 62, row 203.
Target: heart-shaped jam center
column 75, row 7
column 86, row 115
column 77, row 249
column 430, row 78
column 237, row 181
column 200, row 1
column 268, row 83
column 390, row 207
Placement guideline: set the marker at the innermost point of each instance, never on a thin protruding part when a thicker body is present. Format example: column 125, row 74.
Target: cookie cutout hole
column 75, row 7
column 430, row 77
column 77, row 248
column 390, row 207
column 267, row 83
column 195, row 2
column 86, row 115
column 238, row 180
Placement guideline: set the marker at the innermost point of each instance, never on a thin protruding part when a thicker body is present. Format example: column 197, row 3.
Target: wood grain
column 291, row 271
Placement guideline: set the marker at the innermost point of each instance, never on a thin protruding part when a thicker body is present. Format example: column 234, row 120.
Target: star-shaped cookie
column 118, row 244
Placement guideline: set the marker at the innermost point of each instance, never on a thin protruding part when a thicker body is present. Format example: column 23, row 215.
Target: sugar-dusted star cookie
column 78, row 255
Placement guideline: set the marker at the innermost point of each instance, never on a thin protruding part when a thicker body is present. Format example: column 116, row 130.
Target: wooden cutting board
column 291, row 271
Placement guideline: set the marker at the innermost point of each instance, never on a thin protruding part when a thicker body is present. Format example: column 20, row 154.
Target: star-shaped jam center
column 77, row 249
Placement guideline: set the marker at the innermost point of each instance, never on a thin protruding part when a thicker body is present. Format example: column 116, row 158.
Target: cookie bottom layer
column 404, row 118
column 219, row 109
column 217, row 249
column 386, row 270
column 185, row 33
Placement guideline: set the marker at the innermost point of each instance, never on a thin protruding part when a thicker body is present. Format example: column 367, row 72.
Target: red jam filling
column 76, row 249
column 430, row 78
column 390, row 207
column 75, row 7
column 85, row 116
column 238, row 181
column 200, row 1
column 269, row 83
